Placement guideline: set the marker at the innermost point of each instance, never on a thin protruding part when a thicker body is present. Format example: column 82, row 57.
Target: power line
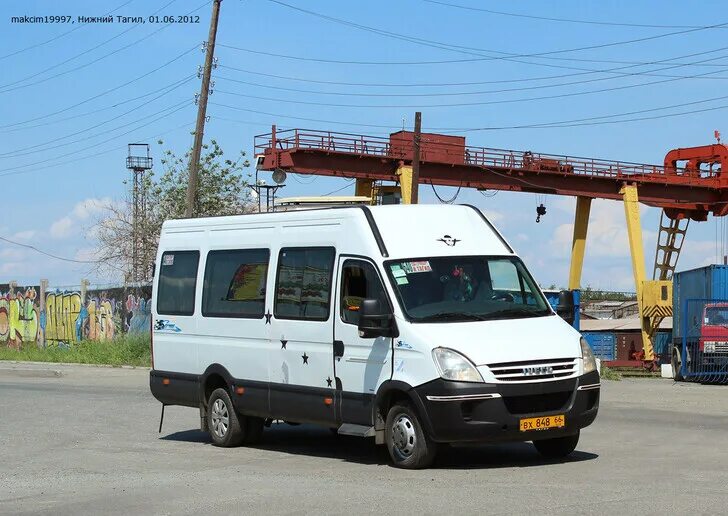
column 463, row 93
column 80, row 67
column 99, row 110
column 14, row 153
column 101, row 153
column 237, row 108
column 15, row 170
column 55, row 38
column 347, row 185
column 94, row 97
column 462, row 104
column 27, row 246
column 503, row 55
column 470, row 83
column 566, row 20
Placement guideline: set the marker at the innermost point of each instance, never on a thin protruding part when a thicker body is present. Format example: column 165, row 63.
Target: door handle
column 338, row 348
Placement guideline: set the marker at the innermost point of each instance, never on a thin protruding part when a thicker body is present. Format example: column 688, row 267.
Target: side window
column 235, row 283
column 359, row 281
column 507, row 279
column 177, row 281
column 303, row 283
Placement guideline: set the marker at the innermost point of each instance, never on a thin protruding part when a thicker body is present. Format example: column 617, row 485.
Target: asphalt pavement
column 83, row 440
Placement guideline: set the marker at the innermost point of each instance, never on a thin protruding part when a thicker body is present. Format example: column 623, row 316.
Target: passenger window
column 359, row 281
column 303, row 284
column 507, row 280
column 177, row 281
column 235, row 283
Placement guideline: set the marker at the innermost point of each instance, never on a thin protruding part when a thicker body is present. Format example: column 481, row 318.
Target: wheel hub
column 220, row 418
column 404, row 438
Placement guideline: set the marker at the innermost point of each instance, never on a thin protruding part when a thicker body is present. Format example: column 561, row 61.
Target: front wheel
column 223, row 421
column 557, row 447
column 408, row 445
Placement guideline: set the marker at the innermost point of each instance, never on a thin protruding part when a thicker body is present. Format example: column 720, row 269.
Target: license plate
column 542, row 423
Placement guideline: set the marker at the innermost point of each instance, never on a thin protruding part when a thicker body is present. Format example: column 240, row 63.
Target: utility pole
column 202, row 111
column 416, row 158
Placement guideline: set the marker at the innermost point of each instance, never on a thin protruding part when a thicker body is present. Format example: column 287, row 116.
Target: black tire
column 676, row 363
column 223, row 421
column 408, row 445
column 253, row 429
column 558, row 447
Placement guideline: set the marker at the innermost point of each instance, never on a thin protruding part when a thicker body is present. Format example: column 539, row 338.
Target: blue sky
column 64, row 134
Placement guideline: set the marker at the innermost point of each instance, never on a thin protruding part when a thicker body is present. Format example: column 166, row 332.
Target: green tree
column 222, row 185
column 222, row 190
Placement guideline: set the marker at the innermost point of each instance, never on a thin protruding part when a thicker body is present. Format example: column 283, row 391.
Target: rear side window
column 303, row 283
column 177, row 281
column 235, row 283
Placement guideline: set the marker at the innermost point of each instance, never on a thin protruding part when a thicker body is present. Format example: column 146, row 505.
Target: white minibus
column 416, row 325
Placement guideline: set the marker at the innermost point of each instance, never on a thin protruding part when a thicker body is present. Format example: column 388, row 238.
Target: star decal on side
column 283, row 343
column 328, row 381
column 268, row 315
column 305, row 358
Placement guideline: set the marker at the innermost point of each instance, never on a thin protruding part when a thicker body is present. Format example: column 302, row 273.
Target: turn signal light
column 165, row 381
column 239, row 390
column 328, row 401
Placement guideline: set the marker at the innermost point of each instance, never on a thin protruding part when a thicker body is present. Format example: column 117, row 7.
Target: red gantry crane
column 689, row 185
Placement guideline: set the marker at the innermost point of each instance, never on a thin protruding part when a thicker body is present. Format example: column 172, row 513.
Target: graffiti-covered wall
column 66, row 317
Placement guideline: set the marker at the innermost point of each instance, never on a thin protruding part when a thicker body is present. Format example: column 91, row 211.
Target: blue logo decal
column 403, row 345
column 165, row 325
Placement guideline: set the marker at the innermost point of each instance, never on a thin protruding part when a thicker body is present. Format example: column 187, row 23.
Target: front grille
column 549, row 369
column 536, row 403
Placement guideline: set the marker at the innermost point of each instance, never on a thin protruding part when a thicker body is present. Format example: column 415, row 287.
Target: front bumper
column 476, row 412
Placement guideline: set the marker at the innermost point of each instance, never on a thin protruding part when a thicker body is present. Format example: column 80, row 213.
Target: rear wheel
column 558, row 447
column 408, row 445
column 223, row 421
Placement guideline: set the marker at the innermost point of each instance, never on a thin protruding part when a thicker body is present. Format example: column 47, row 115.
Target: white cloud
column 91, row 206
column 70, row 224
column 493, row 216
column 62, row 228
column 607, row 232
column 24, row 235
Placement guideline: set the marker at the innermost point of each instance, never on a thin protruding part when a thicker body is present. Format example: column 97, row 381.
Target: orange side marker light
column 165, row 381
column 328, row 401
column 239, row 390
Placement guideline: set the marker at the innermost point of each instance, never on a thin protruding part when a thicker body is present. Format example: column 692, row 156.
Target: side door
column 302, row 380
column 361, row 365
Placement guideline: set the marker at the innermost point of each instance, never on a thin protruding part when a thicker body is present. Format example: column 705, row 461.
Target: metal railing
column 502, row 159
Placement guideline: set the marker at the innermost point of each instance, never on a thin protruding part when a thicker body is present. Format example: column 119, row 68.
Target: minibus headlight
column 453, row 366
column 590, row 364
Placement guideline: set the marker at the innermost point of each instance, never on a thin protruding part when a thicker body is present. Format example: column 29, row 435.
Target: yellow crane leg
column 365, row 188
column 634, row 234
column 578, row 245
column 405, row 183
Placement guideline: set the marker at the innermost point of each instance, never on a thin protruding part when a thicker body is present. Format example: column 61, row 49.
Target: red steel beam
column 692, row 191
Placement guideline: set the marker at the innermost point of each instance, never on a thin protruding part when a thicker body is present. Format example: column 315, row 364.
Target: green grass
column 610, row 374
column 130, row 350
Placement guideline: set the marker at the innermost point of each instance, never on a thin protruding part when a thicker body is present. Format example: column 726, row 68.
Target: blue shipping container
column 710, row 282
column 602, row 343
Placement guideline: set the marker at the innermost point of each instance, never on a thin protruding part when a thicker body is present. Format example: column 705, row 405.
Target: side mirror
column 376, row 320
column 565, row 308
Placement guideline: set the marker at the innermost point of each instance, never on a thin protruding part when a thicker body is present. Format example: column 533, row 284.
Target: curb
column 69, row 364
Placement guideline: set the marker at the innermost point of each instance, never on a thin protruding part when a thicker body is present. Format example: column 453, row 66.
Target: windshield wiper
column 454, row 316
column 517, row 312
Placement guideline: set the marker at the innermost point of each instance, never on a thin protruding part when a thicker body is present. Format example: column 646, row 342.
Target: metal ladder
column 670, row 240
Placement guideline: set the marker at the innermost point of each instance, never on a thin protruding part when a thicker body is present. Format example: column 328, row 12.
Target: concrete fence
column 60, row 316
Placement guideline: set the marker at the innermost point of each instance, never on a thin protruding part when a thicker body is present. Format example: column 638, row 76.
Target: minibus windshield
column 465, row 288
